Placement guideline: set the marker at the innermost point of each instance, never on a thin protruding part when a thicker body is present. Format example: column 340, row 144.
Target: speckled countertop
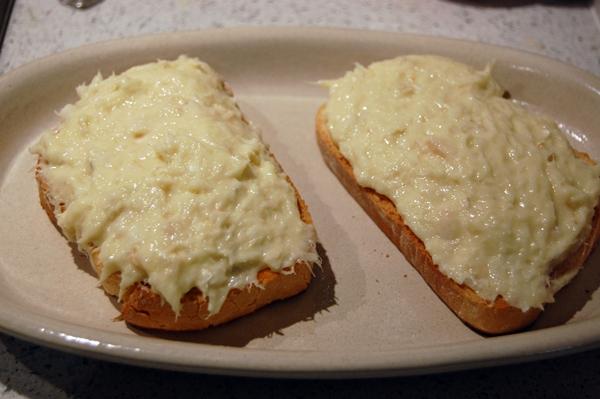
column 568, row 31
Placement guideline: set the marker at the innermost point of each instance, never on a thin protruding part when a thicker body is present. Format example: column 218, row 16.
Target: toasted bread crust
column 143, row 307
column 490, row 317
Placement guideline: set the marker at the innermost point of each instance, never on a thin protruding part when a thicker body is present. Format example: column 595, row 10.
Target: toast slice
column 169, row 191
column 143, row 307
column 489, row 317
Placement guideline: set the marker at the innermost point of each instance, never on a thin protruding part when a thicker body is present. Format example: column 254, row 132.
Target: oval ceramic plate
column 367, row 312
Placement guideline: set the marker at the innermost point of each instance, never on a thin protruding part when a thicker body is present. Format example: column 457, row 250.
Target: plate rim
column 217, row 359
column 250, row 33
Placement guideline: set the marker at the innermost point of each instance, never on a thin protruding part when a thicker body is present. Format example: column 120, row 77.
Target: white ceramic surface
column 367, row 312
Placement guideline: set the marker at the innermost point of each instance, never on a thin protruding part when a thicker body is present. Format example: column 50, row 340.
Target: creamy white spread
column 159, row 170
column 494, row 191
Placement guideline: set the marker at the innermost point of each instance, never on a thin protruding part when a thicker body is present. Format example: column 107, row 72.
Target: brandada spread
column 494, row 191
column 158, row 170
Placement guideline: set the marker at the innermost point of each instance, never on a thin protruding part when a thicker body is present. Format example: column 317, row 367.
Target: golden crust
column 143, row 307
column 490, row 317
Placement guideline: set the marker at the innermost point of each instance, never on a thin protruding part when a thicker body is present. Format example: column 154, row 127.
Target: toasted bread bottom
column 143, row 307
column 490, row 317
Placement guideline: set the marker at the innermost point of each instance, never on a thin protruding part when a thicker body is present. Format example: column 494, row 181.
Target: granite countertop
column 568, row 31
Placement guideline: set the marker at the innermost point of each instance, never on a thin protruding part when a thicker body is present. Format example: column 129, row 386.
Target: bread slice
column 490, row 317
column 143, row 307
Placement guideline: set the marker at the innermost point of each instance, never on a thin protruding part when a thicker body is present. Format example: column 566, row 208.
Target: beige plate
column 368, row 312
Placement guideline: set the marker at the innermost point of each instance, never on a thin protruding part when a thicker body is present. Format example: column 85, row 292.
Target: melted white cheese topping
column 495, row 192
column 158, row 169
